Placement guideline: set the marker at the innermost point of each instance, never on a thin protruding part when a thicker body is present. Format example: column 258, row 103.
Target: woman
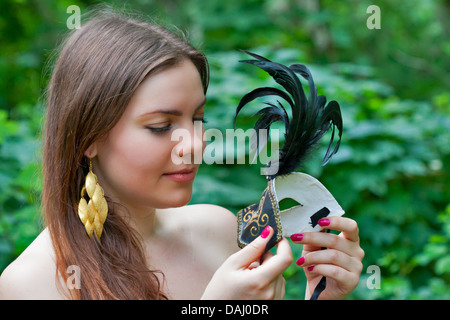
column 120, row 87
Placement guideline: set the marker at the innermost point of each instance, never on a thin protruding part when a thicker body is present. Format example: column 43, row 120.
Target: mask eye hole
column 288, row 203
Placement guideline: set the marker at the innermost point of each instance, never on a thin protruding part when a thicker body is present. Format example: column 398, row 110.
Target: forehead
column 176, row 86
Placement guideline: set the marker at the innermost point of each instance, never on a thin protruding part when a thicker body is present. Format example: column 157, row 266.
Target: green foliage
column 20, row 187
column 390, row 174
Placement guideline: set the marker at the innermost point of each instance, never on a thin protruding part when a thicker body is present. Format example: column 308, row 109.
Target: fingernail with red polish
column 300, row 261
column 311, row 268
column 297, row 237
column 265, row 232
column 324, row 222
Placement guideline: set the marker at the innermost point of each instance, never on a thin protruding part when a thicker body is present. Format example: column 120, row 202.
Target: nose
column 189, row 149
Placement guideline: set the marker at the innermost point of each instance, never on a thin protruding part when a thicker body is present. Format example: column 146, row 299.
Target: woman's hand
column 340, row 263
column 242, row 276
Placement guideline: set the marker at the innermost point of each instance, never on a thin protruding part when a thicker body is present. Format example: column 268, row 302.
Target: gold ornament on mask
column 93, row 213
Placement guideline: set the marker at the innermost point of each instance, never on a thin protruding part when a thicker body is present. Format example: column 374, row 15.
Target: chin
column 176, row 199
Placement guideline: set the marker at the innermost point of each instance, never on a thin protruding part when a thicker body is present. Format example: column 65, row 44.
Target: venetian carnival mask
column 311, row 119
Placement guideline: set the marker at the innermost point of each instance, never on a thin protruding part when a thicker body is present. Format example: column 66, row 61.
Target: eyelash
column 167, row 128
column 203, row 120
column 159, row 130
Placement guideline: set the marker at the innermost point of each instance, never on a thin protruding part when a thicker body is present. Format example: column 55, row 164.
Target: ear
column 91, row 152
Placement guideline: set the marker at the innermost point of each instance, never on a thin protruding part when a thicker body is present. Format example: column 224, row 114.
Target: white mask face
column 316, row 202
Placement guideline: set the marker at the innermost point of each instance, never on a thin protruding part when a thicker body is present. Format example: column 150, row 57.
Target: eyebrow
column 173, row 112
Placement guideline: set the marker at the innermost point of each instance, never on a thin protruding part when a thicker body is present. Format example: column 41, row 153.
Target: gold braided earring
column 93, row 213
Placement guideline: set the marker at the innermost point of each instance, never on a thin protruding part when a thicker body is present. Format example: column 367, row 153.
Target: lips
column 183, row 175
column 183, row 171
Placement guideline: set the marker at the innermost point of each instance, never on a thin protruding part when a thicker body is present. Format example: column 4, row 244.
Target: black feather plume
column 311, row 119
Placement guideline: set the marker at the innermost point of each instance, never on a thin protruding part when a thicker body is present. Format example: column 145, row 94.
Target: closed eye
column 159, row 129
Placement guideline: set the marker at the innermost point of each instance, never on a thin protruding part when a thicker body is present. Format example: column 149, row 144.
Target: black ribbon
column 322, row 283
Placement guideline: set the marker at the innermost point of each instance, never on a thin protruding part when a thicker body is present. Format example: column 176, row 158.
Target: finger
column 331, row 256
column 275, row 290
column 325, row 240
column 266, row 257
column 253, row 265
column 253, row 250
column 276, row 264
column 348, row 227
column 280, row 290
column 340, row 275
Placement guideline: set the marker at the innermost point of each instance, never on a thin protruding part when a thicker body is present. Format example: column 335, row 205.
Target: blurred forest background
column 391, row 174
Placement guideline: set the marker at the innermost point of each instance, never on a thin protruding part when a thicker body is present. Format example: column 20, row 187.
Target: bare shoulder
column 211, row 216
column 211, row 223
column 32, row 274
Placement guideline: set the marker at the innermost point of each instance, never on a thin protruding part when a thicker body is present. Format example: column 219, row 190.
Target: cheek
column 133, row 162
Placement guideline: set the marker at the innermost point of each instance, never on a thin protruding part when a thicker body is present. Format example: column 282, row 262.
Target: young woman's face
column 138, row 158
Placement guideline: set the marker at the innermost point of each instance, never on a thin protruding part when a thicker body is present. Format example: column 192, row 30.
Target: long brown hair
column 98, row 68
